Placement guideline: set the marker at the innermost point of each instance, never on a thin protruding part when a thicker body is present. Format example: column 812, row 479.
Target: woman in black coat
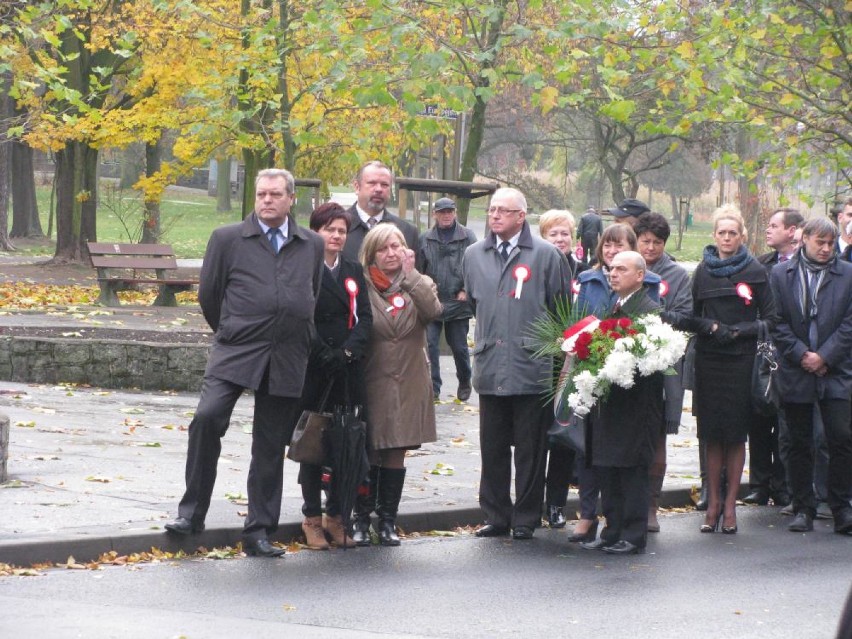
column 343, row 320
column 730, row 291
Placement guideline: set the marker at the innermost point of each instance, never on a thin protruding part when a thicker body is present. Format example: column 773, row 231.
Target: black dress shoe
column 522, row 532
column 490, row 530
column 758, row 498
column 183, row 526
column 780, row 498
column 262, row 548
column 843, row 522
column 623, row 548
column 463, row 393
column 597, row 544
column 555, row 517
column 802, row 522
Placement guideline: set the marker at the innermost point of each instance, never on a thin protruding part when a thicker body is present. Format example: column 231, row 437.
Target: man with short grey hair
column 511, row 278
column 813, row 293
column 258, row 288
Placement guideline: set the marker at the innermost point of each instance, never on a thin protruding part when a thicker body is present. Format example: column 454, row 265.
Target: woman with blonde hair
column 730, row 291
column 401, row 413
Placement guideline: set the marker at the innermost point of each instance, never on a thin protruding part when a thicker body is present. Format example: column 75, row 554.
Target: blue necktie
column 273, row 239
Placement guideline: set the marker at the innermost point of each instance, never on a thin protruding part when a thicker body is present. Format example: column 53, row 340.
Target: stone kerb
column 106, row 363
column 4, row 447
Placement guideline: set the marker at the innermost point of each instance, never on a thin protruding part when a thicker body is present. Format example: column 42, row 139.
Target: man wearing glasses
column 511, row 278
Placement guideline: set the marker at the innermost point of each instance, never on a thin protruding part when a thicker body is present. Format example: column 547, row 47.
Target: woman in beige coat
column 401, row 413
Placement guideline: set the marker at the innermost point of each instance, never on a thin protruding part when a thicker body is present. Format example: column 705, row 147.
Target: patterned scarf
column 811, row 274
column 383, row 283
column 719, row 267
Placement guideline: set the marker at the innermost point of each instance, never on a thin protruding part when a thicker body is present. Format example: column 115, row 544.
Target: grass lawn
column 189, row 216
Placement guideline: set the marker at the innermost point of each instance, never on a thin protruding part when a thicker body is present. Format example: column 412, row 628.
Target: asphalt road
column 762, row 582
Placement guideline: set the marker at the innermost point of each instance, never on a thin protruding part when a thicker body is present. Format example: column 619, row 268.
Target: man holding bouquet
column 626, row 426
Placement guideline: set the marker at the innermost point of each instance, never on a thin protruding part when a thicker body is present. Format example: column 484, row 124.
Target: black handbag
column 308, row 443
column 765, row 397
column 568, row 429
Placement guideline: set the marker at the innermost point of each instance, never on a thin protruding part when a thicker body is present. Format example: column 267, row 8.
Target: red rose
column 607, row 325
column 615, row 335
column 624, row 322
column 582, row 352
column 583, row 339
column 632, row 331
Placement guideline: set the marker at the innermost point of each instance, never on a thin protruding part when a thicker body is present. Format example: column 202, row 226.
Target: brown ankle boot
column 314, row 534
column 335, row 530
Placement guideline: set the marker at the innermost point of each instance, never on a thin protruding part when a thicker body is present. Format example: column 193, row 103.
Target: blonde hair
column 376, row 239
column 555, row 217
column 730, row 212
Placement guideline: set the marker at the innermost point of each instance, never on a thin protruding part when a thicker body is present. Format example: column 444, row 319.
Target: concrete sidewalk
column 92, row 470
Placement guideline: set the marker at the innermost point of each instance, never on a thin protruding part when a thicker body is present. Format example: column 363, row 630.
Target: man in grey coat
column 511, row 278
column 373, row 184
column 440, row 256
column 258, row 289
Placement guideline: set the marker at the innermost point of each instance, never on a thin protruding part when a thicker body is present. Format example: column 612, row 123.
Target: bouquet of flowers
column 600, row 353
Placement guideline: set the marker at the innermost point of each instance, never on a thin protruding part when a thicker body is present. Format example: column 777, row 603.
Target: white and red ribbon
column 351, row 287
column 522, row 273
column 575, row 287
column 664, row 288
column 397, row 303
column 585, row 325
column 744, row 291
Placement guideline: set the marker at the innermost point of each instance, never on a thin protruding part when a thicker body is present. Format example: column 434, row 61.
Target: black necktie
column 504, row 251
column 273, row 239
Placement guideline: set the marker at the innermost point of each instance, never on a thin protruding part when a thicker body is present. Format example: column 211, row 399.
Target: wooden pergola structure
column 466, row 190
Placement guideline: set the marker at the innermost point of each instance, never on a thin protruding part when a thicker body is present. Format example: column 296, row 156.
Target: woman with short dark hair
column 343, row 320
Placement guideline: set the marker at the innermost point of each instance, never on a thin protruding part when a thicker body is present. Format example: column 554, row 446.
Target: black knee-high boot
column 365, row 504
column 391, row 481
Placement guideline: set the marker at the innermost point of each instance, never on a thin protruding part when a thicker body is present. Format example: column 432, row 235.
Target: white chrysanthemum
column 619, row 369
column 625, row 344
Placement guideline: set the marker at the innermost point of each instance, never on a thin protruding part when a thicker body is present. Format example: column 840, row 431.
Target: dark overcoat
column 834, row 333
column 260, row 305
column 443, row 262
column 627, row 424
column 332, row 331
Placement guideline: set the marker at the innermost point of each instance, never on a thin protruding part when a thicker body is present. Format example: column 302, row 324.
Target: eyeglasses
column 497, row 211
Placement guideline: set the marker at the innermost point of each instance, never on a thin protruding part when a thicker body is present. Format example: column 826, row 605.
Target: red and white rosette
column 522, row 274
column 397, row 304
column 664, row 288
column 585, row 325
column 351, row 287
column 744, row 291
column 575, row 287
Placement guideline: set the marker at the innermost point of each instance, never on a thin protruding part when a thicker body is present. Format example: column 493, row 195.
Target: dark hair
column 615, row 233
column 789, row 217
column 326, row 213
column 655, row 224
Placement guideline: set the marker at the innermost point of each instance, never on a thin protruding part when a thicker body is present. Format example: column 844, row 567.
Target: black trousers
column 518, row 421
column 766, row 468
column 838, row 433
column 560, row 470
column 274, row 421
column 624, row 501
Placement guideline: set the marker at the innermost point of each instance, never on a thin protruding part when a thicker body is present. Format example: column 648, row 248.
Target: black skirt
column 722, row 397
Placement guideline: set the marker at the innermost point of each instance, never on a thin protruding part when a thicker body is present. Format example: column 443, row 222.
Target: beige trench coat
column 400, row 412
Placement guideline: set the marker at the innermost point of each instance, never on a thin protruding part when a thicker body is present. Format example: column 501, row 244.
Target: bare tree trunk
column 25, row 218
column 223, row 184
column 6, row 112
column 151, row 231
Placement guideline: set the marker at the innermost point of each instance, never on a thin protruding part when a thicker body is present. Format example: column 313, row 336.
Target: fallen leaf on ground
column 442, row 469
column 98, row 479
column 29, row 424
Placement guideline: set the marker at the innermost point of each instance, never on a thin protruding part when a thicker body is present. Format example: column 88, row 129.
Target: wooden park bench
column 123, row 267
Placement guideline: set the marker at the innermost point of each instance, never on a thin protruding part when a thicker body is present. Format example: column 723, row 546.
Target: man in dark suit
column 626, row 428
column 843, row 216
column 258, row 289
column 373, row 185
column 766, row 476
column 813, row 293
column 589, row 231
